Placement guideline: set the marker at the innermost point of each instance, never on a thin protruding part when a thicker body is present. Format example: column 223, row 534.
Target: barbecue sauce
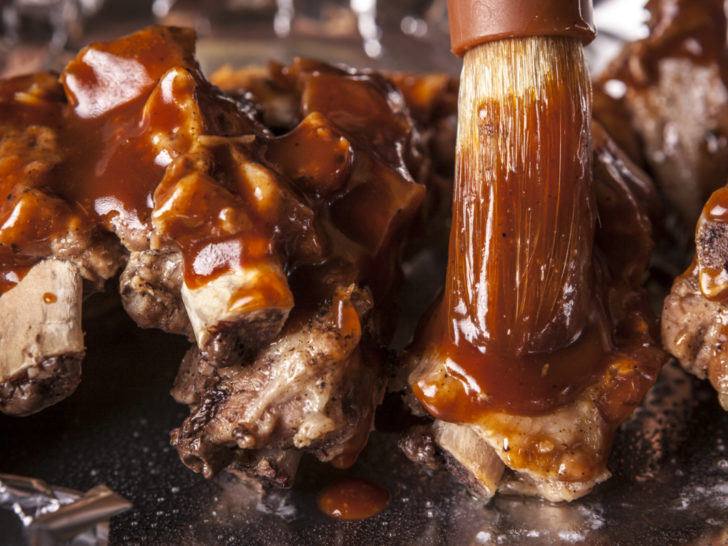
column 518, row 329
column 145, row 147
column 13, row 268
column 103, row 170
column 49, row 297
column 134, row 106
column 353, row 499
column 30, row 117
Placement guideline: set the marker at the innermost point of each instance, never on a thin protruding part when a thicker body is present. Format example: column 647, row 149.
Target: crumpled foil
column 55, row 515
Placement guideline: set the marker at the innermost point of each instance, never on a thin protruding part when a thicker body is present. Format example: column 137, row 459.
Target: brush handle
column 473, row 22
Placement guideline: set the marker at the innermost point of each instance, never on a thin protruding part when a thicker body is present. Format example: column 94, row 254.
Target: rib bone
column 41, row 341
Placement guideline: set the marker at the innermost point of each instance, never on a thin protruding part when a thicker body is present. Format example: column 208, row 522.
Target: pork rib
column 313, row 389
column 670, row 91
column 561, row 454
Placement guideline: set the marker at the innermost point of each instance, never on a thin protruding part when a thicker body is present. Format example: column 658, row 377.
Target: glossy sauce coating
column 354, row 141
column 149, row 150
column 709, row 265
column 94, row 139
column 480, row 380
column 30, row 211
column 13, row 268
column 113, row 168
column 353, row 499
column 133, row 107
column 49, row 297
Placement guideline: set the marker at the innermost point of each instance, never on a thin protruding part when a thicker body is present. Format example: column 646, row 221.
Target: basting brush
column 519, row 266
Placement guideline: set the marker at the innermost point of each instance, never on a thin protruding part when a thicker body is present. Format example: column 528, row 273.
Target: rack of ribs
column 272, row 242
column 262, row 214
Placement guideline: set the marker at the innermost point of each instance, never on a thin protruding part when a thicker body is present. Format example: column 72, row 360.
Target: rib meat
column 693, row 330
column 561, row 454
column 204, row 208
column 150, row 288
column 315, row 387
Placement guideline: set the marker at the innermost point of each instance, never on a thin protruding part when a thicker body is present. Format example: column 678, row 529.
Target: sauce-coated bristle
column 523, row 217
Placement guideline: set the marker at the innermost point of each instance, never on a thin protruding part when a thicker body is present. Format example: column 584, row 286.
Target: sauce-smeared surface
column 353, row 499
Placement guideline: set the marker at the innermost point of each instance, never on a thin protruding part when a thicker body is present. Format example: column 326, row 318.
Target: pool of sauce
column 353, row 499
column 479, row 380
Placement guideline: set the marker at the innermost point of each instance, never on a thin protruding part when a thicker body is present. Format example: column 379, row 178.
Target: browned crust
column 38, row 387
column 269, row 467
column 234, row 342
column 420, row 447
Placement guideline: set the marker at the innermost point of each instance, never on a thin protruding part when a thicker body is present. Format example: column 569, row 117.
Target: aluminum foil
column 56, row 515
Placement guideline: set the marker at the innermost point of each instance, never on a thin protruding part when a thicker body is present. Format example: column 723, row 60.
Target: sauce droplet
column 49, row 297
column 353, row 499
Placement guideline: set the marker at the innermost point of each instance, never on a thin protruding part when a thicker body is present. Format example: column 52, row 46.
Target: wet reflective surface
column 670, row 466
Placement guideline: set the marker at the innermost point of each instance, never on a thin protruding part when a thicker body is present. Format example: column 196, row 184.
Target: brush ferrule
column 473, row 22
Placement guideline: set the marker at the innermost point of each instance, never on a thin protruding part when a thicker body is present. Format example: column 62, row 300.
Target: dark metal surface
column 670, row 466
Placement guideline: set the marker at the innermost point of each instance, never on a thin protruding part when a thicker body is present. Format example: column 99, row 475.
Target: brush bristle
column 523, row 217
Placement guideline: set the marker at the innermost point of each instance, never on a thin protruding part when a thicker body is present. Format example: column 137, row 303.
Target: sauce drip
column 49, row 297
column 353, row 499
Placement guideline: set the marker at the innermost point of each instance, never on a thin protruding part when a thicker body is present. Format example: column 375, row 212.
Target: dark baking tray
column 669, row 463
column 670, row 466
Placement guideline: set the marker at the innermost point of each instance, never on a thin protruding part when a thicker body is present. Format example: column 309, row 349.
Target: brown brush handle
column 473, row 22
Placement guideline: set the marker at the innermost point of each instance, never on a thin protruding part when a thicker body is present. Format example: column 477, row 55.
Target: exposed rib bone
column 41, row 341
